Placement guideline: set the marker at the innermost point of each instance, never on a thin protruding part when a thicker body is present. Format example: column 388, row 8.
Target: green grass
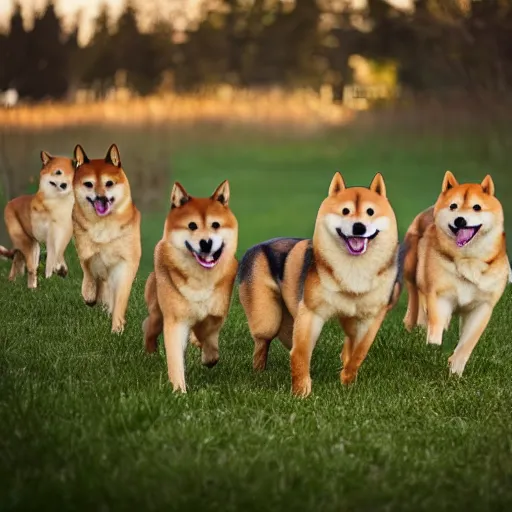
column 88, row 420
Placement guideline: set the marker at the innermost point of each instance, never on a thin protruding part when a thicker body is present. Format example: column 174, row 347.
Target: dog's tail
column 7, row 254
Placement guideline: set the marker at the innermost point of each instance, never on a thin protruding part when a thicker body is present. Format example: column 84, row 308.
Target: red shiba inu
column 189, row 292
column 106, row 228
column 290, row 287
column 456, row 263
column 44, row 217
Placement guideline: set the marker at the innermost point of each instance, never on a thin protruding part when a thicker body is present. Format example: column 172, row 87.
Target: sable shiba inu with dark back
column 290, row 287
column 106, row 228
column 456, row 263
column 44, row 217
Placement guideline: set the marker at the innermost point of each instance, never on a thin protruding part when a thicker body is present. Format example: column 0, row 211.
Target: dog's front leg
column 120, row 283
column 362, row 333
column 50, row 253
column 439, row 312
column 58, row 240
column 175, row 340
column 472, row 325
column 307, row 329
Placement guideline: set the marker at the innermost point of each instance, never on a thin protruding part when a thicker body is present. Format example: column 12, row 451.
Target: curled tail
column 7, row 253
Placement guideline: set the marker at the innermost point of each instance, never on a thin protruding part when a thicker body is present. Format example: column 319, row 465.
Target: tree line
column 437, row 45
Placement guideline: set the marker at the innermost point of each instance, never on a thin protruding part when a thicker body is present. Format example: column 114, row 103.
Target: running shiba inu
column 189, row 292
column 456, row 263
column 106, row 227
column 349, row 270
column 44, row 217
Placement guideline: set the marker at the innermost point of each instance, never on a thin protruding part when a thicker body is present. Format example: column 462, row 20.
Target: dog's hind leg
column 153, row 325
column 32, row 261
column 411, row 316
column 207, row 333
column 18, row 266
column 472, row 325
column 89, row 285
column 263, row 308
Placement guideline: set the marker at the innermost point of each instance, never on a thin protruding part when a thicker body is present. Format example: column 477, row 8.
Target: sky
column 68, row 9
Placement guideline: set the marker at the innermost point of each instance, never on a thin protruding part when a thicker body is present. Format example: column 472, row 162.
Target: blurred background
column 275, row 95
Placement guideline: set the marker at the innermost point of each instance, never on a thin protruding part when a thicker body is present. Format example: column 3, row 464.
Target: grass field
column 88, row 420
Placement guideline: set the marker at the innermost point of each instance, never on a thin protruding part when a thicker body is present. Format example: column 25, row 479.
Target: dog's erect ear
column 488, row 185
column 378, row 186
column 337, row 185
column 45, row 157
column 449, row 181
column 221, row 193
column 179, row 196
column 113, row 156
column 79, row 156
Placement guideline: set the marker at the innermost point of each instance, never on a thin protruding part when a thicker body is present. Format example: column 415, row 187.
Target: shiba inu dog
column 290, row 287
column 189, row 293
column 106, row 228
column 44, row 217
column 456, row 263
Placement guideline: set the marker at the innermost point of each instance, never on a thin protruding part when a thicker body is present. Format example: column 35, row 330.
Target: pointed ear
column 113, row 156
column 221, row 193
column 45, row 157
column 488, row 185
column 378, row 186
column 79, row 156
column 179, row 196
column 449, row 181
column 337, row 185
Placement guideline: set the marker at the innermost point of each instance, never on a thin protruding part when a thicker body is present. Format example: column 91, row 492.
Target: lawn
column 88, row 421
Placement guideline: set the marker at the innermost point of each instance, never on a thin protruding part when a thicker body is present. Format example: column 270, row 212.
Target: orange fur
column 189, row 293
column 44, row 217
column 325, row 278
column 106, row 226
column 456, row 263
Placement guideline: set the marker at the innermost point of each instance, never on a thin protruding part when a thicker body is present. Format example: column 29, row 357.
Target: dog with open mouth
column 44, row 217
column 289, row 287
column 456, row 263
column 189, row 293
column 106, row 228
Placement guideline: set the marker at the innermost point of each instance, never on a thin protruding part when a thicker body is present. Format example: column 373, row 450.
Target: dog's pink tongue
column 464, row 236
column 357, row 244
column 100, row 207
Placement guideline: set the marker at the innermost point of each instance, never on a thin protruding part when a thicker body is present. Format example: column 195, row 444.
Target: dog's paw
column 209, row 360
column 62, row 271
column 301, row 388
column 194, row 341
column 347, row 377
column 457, row 365
column 434, row 336
column 118, row 326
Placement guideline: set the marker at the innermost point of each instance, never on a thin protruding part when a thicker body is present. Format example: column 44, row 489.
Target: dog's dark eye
column 477, row 207
column 215, row 225
column 453, row 206
column 109, row 183
column 58, row 172
column 370, row 211
column 192, row 226
column 88, row 184
column 345, row 211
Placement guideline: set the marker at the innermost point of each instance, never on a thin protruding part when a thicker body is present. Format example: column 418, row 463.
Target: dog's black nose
column 63, row 186
column 460, row 222
column 358, row 229
column 205, row 245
